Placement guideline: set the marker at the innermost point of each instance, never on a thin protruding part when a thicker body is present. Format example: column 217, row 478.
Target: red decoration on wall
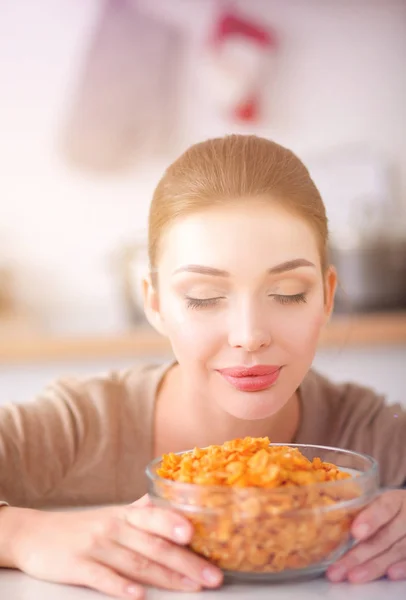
column 237, row 62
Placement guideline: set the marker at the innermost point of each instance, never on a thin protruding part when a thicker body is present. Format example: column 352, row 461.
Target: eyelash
column 195, row 303
column 294, row 299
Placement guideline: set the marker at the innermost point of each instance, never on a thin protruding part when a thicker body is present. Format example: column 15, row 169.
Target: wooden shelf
column 365, row 330
column 343, row 331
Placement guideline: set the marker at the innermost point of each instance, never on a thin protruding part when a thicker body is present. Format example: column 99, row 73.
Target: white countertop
column 17, row 586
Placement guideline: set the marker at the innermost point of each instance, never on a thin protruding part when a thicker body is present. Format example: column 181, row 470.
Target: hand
column 113, row 550
column 380, row 530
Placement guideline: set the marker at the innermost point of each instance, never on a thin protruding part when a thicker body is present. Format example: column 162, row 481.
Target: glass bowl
column 273, row 534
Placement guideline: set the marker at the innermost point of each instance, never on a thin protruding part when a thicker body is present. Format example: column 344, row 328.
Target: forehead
column 241, row 234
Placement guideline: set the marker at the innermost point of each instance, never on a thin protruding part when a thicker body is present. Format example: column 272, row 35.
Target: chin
column 252, row 406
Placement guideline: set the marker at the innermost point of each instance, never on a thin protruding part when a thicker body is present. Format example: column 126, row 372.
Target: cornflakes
column 248, row 462
column 261, row 515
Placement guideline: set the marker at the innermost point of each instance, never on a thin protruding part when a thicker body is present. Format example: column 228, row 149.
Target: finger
column 371, row 569
column 397, row 571
column 379, row 565
column 165, row 523
column 145, row 500
column 144, row 570
column 381, row 511
column 383, row 540
column 105, row 580
column 174, row 557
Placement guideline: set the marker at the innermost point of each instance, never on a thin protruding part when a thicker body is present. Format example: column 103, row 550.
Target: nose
column 247, row 331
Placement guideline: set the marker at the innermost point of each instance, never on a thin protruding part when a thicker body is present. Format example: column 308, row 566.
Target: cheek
column 190, row 335
column 299, row 332
column 309, row 330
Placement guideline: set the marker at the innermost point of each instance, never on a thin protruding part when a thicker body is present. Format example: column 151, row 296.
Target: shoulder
column 352, row 416
column 343, row 395
column 142, row 377
column 114, row 384
column 90, row 399
column 346, row 404
column 115, row 392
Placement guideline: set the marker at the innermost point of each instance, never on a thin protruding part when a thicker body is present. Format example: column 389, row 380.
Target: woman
column 240, row 283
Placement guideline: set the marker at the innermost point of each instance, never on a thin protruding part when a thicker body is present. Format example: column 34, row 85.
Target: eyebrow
column 289, row 265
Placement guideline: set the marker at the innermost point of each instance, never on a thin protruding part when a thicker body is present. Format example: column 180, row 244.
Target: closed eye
column 290, row 299
column 202, row 303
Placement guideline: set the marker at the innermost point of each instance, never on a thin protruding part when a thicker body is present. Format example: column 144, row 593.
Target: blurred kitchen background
column 98, row 96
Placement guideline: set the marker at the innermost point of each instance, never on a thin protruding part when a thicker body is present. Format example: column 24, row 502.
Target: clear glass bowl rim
column 362, row 478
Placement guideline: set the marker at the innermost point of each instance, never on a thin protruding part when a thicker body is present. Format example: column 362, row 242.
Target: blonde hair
column 225, row 169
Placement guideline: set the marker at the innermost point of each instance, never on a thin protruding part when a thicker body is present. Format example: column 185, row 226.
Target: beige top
column 88, row 442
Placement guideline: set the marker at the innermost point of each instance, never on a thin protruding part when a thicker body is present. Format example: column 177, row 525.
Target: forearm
column 12, row 520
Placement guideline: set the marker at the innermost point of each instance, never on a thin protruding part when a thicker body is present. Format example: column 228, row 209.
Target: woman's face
column 241, row 298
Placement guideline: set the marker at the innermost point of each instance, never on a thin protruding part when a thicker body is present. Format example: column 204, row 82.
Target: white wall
column 339, row 79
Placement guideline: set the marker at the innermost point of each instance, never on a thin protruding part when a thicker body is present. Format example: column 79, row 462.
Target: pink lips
column 251, row 379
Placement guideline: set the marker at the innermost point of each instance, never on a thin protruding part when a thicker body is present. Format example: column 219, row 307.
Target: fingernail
column 211, row 577
column 189, row 584
column 181, row 535
column 337, row 573
column 361, row 531
column 397, row 573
